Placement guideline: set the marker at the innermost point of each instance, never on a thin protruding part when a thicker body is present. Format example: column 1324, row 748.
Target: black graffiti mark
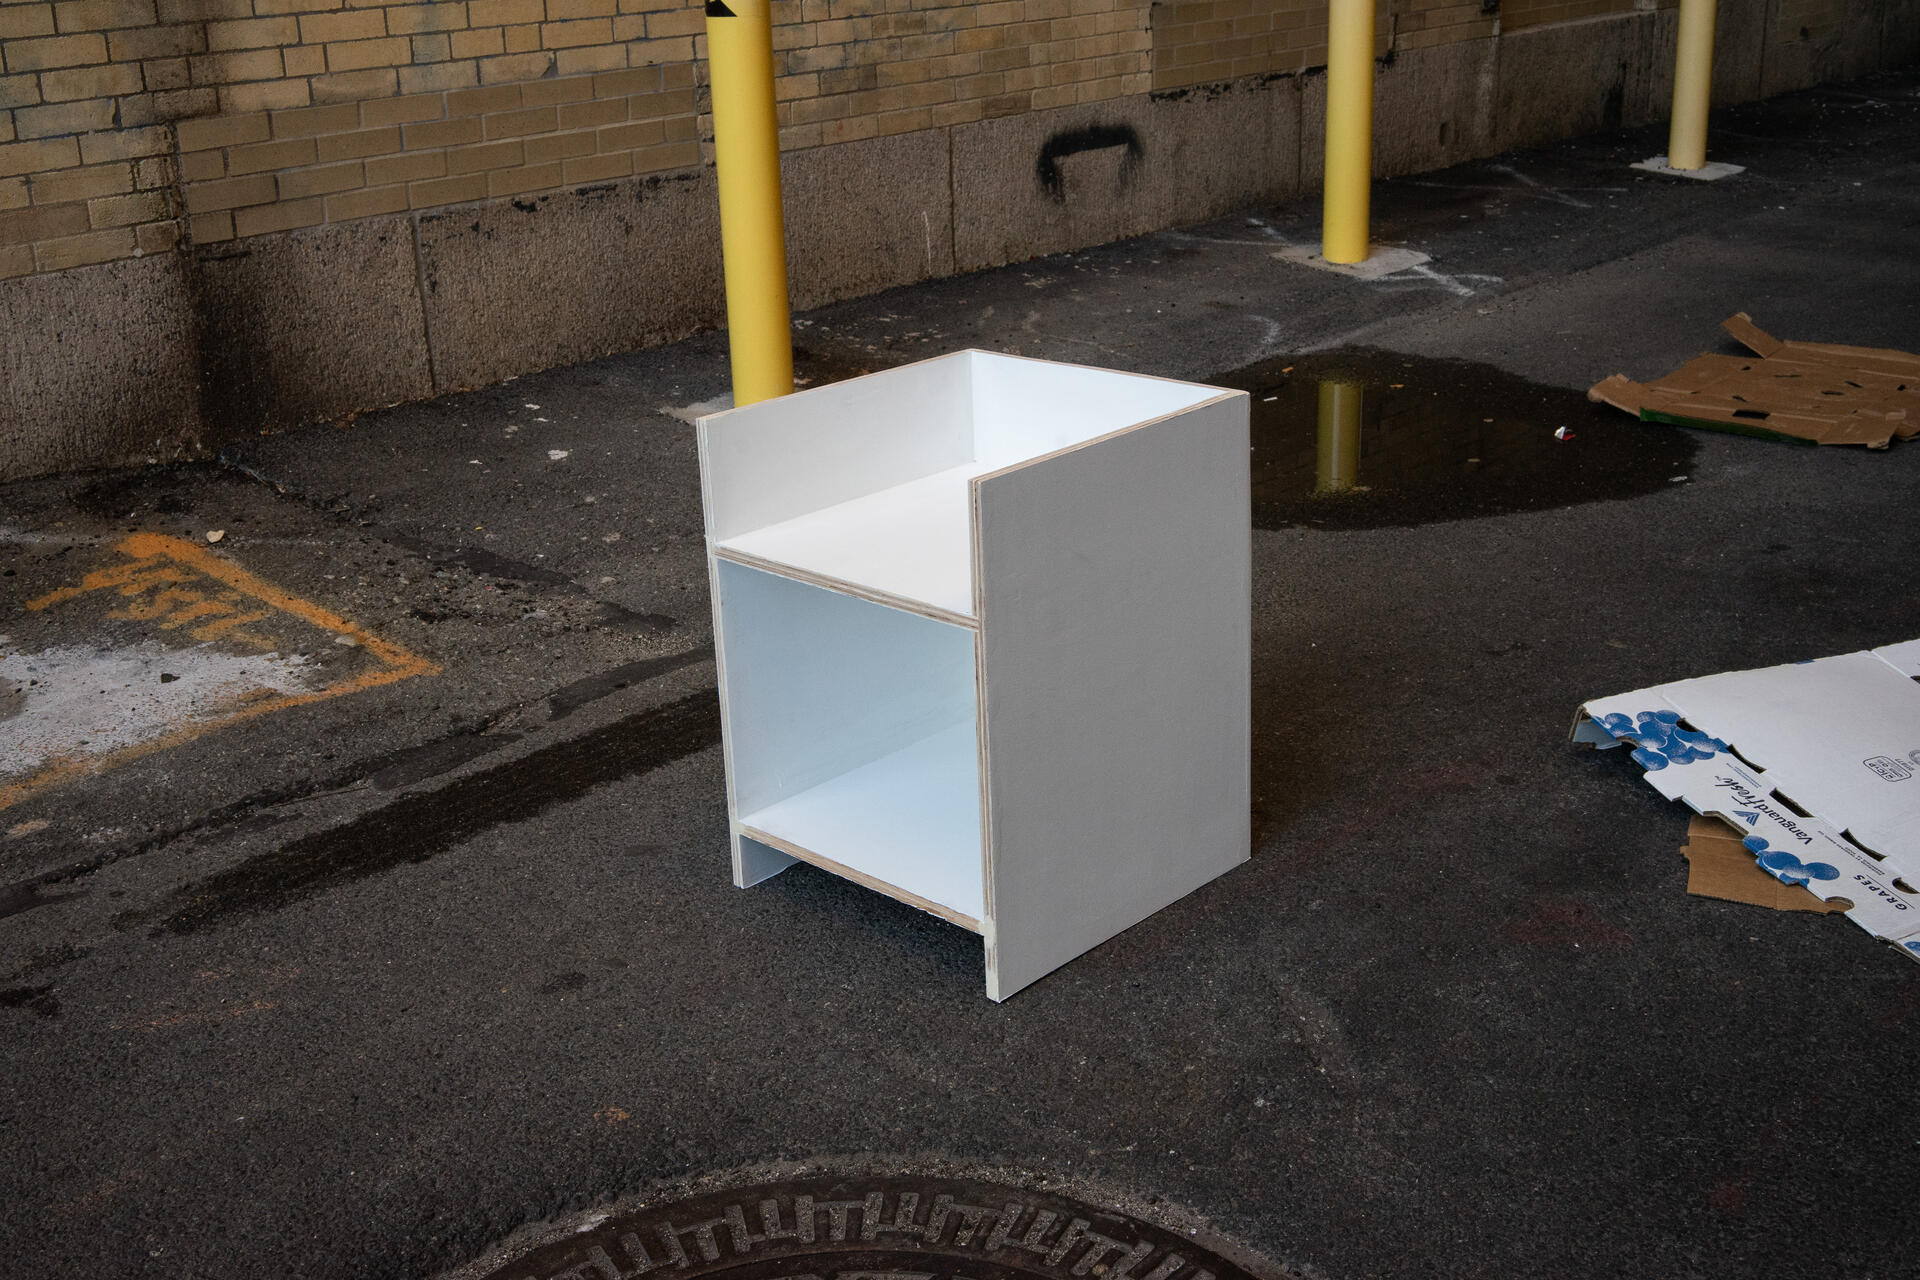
column 1071, row 142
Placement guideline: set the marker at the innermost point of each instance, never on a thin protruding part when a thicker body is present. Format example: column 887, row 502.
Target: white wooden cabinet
column 982, row 626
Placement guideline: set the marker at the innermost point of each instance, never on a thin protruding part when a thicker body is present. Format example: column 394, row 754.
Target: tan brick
column 157, row 237
column 357, row 55
column 19, row 91
column 405, row 168
column 230, row 68
column 89, row 82
column 586, row 115
column 619, row 84
column 157, row 42
column 203, row 10
column 355, row 86
column 262, row 157
column 24, row 226
column 57, row 51
column 625, row 137
column 124, row 144
column 203, row 166
column 513, row 67
column 252, row 33
column 230, row 193
column 166, row 73
column 84, row 250
column 568, row 35
column 672, row 155
column 560, row 10
column 6, row 127
column 518, row 124
column 423, row 195
column 443, row 133
column 523, row 39
column 13, row 194
column 677, row 76
column 154, row 173
column 103, row 15
column 681, row 128
column 305, row 60
column 342, row 24
column 306, row 122
column 597, row 168
column 136, row 110
column 285, row 216
column 429, row 48
column 490, row 155
column 578, row 62
column 439, row 77
column 210, row 228
column 512, row 182
column 299, row 183
column 15, row 260
column 546, row 93
column 63, row 185
column 423, row 106
column 501, row 13
column 649, row 6
column 365, row 203
column 265, row 95
column 478, row 44
column 64, row 118
column 679, row 49
column 355, row 146
column 559, row 146
column 127, row 210
column 651, row 106
column 681, row 22
column 475, row 102
column 20, row 21
column 413, row 19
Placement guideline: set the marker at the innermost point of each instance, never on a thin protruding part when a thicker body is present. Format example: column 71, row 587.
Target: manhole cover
column 878, row 1228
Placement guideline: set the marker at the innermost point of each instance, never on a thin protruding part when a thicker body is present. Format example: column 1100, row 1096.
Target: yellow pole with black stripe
column 746, row 144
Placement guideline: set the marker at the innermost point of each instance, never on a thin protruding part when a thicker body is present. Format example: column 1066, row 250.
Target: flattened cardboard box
column 1815, row 761
column 1719, row 865
column 1805, row 391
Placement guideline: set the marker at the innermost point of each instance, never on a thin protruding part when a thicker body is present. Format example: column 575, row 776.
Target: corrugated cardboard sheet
column 1795, row 390
column 1816, row 764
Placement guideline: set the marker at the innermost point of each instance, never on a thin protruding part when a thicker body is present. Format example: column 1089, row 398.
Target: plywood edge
column 742, row 874
column 861, row 878
column 842, row 587
column 1091, row 441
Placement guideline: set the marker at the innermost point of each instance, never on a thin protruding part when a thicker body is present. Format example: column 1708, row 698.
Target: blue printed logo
column 1913, row 946
column 1786, row 867
column 1661, row 741
column 1747, row 816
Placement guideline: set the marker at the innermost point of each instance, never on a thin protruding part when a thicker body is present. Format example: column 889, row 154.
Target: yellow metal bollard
column 746, row 143
column 1349, row 176
column 1692, row 85
column 1337, row 461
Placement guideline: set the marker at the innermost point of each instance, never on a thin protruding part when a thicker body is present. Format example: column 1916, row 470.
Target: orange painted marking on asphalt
column 180, row 569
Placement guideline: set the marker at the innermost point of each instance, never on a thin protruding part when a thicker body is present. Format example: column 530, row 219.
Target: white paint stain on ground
column 78, row 702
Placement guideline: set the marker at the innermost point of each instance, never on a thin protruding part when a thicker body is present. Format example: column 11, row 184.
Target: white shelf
column 907, row 824
column 913, row 542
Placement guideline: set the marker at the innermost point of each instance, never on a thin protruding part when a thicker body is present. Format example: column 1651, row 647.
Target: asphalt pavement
column 430, row 935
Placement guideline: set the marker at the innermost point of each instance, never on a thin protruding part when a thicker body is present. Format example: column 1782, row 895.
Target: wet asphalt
column 357, row 987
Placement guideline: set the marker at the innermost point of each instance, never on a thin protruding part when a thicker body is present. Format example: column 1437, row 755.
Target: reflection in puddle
column 1363, row 438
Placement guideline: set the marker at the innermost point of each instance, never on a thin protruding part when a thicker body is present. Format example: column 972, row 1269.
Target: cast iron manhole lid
column 869, row 1228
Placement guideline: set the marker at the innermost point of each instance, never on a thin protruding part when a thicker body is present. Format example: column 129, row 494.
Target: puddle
column 1361, row 439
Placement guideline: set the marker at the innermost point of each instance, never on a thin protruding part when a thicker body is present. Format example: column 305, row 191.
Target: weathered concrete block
column 1048, row 181
column 1803, row 57
column 540, row 281
column 865, row 216
column 1557, row 81
column 1432, row 108
column 97, row 367
column 1739, row 51
column 309, row 325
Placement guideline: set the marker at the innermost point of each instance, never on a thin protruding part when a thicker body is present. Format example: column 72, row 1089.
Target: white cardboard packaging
column 1818, row 762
